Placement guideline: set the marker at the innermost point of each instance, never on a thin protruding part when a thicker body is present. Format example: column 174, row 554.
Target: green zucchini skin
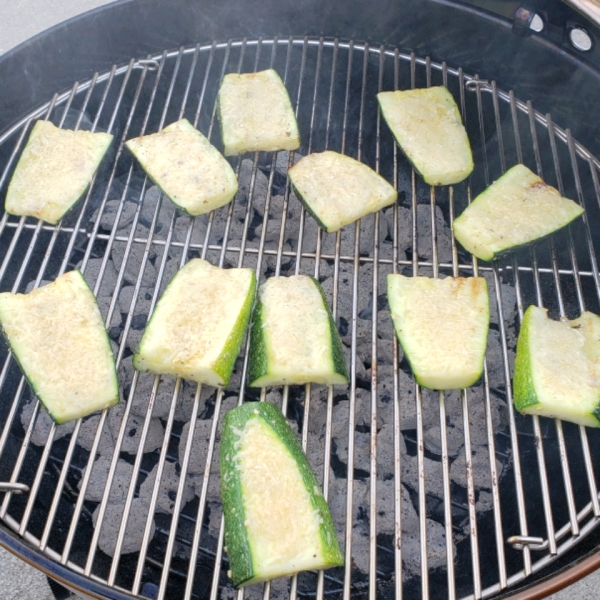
column 309, row 209
column 233, row 345
column 259, row 366
column 236, row 537
column 337, row 350
column 524, row 388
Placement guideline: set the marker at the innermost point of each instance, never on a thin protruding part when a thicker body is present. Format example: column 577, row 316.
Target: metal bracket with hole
column 519, row 542
column 16, row 488
column 147, row 63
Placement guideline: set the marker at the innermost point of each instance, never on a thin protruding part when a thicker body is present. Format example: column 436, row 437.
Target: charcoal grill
column 434, row 495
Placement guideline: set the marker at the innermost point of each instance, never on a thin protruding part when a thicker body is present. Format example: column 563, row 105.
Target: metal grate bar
column 422, row 511
column 559, row 428
column 22, row 452
column 523, row 527
column 396, row 397
column 539, row 444
column 95, row 444
column 71, row 449
column 494, row 477
column 581, row 199
column 126, row 412
column 124, row 519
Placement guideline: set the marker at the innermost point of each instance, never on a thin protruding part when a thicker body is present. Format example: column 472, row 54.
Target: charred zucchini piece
column 255, row 113
column 190, row 171
column 277, row 521
column 198, row 324
column 293, row 337
column 557, row 367
column 338, row 190
column 55, row 169
column 427, row 126
column 58, row 337
column 442, row 325
column 517, row 209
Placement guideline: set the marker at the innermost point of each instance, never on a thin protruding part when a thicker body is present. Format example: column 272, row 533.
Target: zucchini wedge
column 198, row 325
column 429, row 130
column 517, row 209
column 338, row 190
column 442, row 325
column 557, row 367
column 277, row 521
column 189, row 170
column 293, row 338
column 255, row 113
column 54, row 170
column 57, row 335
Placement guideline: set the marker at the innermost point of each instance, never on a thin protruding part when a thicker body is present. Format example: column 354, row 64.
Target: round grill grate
column 433, row 495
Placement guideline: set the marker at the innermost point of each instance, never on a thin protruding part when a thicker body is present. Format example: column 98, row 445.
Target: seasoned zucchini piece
column 198, row 324
column 442, row 325
column 255, row 113
column 55, row 168
column 427, row 126
column 519, row 208
column 293, row 337
column 277, row 522
column 190, row 171
column 57, row 335
column 337, row 190
column 557, row 367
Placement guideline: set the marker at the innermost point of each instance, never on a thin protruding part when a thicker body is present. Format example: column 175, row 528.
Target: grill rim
column 376, row 50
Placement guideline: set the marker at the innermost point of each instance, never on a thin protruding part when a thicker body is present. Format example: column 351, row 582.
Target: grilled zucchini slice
column 517, row 209
column 255, row 113
column 442, row 325
column 198, row 324
column 293, row 337
column 557, row 367
column 427, row 126
column 189, row 170
column 57, row 335
column 277, row 522
column 55, row 168
column 338, row 190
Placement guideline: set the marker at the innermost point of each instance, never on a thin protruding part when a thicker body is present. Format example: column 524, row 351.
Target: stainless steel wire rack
column 448, row 494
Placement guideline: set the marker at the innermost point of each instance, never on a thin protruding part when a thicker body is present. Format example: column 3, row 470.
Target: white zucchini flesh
column 58, row 337
column 186, row 167
column 517, row 209
column 293, row 338
column 54, row 170
column 255, row 113
column 276, row 501
column 442, row 325
column 428, row 128
column 198, row 324
column 338, row 190
column 557, row 367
